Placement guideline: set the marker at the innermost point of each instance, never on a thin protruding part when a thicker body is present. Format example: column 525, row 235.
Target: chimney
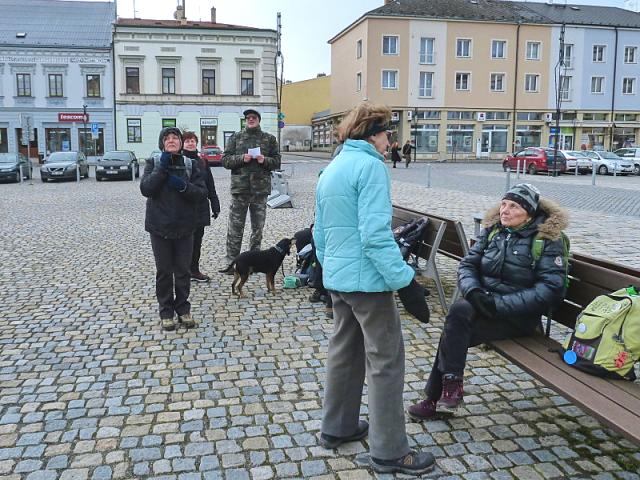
column 387, row 2
column 179, row 13
column 213, row 14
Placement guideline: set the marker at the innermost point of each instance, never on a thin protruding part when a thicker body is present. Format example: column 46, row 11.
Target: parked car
column 633, row 154
column 212, row 154
column 576, row 159
column 11, row 164
column 535, row 159
column 606, row 162
column 60, row 165
column 117, row 164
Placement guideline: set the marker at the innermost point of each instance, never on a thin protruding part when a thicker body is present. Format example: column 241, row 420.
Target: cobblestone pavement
column 91, row 388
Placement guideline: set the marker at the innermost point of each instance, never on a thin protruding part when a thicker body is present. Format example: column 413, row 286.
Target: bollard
column 524, row 167
column 576, row 172
column 428, row 175
column 133, row 173
column 508, row 179
column 615, row 169
column 593, row 175
column 518, row 169
column 78, row 172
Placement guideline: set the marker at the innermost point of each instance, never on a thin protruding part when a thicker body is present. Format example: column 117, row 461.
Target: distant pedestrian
column 190, row 150
column 250, row 182
column 395, row 153
column 174, row 186
column 406, row 153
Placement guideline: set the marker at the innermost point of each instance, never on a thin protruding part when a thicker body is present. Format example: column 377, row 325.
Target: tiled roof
column 146, row 22
column 53, row 23
column 575, row 14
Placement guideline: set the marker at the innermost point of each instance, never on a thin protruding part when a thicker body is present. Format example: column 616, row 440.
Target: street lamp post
column 415, row 134
column 84, row 130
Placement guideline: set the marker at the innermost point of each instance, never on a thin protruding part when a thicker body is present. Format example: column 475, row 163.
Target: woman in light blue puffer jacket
column 362, row 266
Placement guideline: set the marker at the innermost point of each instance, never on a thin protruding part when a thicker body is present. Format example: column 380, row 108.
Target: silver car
column 576, row 159
column 633, row 154
column 608, row 162
column 60, row 165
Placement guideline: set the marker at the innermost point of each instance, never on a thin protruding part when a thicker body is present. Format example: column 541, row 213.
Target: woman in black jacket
column 190, row 150
column 505, row 289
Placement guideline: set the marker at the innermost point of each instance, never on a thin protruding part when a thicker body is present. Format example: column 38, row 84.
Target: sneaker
column 452, row 392
column 228, row 269
column 168, row 324
column 329, row 441
column 187, row 320
column 413, row 463
column 424, row 410
column 200, row 277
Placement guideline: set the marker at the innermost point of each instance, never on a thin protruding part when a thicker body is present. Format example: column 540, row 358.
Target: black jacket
column 503, row 266
column 204, row 215
column 171, row 214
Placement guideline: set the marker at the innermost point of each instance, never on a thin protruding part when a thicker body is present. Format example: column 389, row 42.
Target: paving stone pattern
column 91, row 388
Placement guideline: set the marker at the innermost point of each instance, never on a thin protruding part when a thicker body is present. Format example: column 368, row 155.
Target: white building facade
column 197, row 76
column 58, row 81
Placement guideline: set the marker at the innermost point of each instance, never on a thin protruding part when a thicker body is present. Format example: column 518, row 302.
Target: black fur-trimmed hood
column 551, row 219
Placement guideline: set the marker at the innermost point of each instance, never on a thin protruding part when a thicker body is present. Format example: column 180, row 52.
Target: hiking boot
column 168, row 324
column 329, row 441
column 413, row 463
column 424, row 410
column 200, row 277
column 317, row 297
column 228, row 269
column 187, row 320
column 452, row 392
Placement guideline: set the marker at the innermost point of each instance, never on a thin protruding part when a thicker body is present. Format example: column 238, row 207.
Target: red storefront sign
column 73, row 117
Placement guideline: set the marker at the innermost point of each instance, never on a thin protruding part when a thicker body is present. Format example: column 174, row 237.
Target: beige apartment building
column 465, row 81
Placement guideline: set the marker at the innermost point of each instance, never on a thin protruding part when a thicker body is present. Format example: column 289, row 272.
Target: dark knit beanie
column 525, row 195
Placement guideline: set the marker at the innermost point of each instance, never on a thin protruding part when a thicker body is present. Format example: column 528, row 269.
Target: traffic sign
column 26, row 124
column 280, row 124
column 95, row 133
column 281, row 116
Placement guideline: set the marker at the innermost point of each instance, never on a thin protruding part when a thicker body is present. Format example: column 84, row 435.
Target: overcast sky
column 306, row 24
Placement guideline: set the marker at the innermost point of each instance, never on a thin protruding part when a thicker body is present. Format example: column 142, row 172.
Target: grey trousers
column 367, row 339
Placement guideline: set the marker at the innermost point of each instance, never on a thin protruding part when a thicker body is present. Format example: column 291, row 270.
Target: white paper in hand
column 254, row 152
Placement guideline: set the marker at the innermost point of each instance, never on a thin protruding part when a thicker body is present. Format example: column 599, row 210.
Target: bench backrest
column 590, row 277
column 454, row 241
column 431, row 236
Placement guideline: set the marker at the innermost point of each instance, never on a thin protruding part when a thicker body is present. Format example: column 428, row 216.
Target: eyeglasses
column 252, row 117
column 389, row 133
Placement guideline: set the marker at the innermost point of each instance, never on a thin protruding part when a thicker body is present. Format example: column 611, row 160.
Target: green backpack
column 606, row 338
column 537, row 248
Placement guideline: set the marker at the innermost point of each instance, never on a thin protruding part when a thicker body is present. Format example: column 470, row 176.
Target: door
column 208, row 135
column 485, row 146
column 33, row 146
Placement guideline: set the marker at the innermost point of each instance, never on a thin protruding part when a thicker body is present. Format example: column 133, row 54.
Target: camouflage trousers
column 240, row 203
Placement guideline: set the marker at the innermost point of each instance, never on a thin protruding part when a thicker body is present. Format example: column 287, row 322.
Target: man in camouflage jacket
column 250, row 182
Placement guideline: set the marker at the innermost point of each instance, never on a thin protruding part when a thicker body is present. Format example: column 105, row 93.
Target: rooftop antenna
column 134, row 8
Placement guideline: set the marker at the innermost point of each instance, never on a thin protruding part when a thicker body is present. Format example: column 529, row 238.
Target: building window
column 594, row 117
column 567, row 56
column 426, row 84
column 246, row 82
column 598, row 53
column 498, row 115
column 465, row 115
column 463, row 81
column 533, row 50
column 531, row 82
column 565, row 87
column 463, row 48
column 630, row 54
column 528, row 136
column 208, row 81
column 629, row 85
column 88, row 145
column 359, row 49
column 93, row 86
column 23, row 83
column 133, row 79
column 169, row 80
column 134, row 130
column 427, row 55
column 58, row 139
column 625, row 117
column 498, row 49
column 597, row 84
column 55, row 85
column 389, row 45
column 427, row 138
column 497, row 82
column 358, row 82
column 390, row 79
column 494, row 138
column 168, row 122
column 459, row 138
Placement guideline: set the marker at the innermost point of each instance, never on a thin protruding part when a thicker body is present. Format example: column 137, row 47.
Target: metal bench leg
column 436, row 278
column 456, row 295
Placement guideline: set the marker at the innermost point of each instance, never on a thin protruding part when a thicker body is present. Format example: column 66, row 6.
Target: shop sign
column 208, row 122
column 73, row 117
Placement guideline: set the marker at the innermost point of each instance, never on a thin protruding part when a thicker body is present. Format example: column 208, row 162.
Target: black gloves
column 483, row 303
column 177, row 183
column 165, row 158
column 413, row 299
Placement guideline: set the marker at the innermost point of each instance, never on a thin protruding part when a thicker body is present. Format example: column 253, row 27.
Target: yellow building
column 300, row 100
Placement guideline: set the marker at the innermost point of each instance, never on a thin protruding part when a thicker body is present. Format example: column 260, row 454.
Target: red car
column 212, row 154
column 535, row 160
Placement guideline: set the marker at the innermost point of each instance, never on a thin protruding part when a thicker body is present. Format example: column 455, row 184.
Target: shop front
column 527, row 136
column 624, row 137
column 208, row 131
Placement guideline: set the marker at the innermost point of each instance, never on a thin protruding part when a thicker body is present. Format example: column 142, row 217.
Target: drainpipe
column 613, row 92
column 515, row 91
column 113, row 74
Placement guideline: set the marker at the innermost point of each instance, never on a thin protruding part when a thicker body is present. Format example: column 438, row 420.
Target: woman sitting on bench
column 505, row 289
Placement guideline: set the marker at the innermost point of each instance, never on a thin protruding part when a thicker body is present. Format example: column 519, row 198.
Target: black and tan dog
column 263, row 261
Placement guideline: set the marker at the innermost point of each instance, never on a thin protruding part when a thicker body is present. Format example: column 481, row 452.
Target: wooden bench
column 616, row 403
column 442, row 236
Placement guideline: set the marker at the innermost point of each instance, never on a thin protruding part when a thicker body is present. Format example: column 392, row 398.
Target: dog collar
column 278, row 249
